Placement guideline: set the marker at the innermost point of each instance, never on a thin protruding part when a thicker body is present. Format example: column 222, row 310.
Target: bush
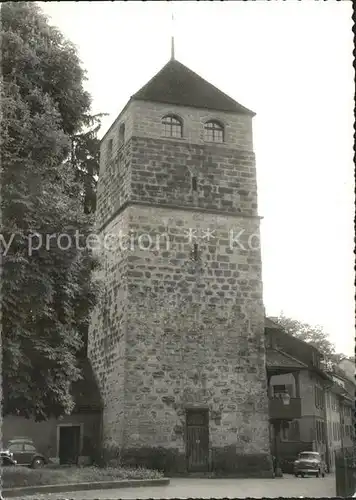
column 106, row 456
column 13, row 477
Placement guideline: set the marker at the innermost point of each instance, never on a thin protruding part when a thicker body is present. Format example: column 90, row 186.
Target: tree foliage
column 85, row 159
column 315, row 335
column 46, row 290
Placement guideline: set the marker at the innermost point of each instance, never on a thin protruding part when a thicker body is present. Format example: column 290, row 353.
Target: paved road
column 288, row 486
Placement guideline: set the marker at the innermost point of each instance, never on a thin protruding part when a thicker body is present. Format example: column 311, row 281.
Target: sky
column 291, row 63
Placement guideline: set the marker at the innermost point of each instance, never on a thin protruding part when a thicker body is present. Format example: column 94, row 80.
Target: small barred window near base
column 194, row 183
column 213, row 132
column 172, row 126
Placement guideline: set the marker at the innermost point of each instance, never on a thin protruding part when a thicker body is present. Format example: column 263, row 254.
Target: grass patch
column 15, row 477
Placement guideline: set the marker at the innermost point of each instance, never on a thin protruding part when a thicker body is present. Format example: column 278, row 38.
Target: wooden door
column 69, row 444
column 197, row 440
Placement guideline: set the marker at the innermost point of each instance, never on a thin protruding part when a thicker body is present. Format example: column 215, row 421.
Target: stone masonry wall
column 143, row 119
column 179, row 332
column 159, row 171
column 195, row 333
column 162, row 173
column 147, row 118
column 114, row 186
column 107, row 333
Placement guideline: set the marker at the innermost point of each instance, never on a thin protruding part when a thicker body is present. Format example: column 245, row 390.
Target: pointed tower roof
column 177, row 84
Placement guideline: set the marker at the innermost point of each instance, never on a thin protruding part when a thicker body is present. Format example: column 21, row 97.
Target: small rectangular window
column 194, row 183
column 195, row 251
column 121, row 135
column 109, row 150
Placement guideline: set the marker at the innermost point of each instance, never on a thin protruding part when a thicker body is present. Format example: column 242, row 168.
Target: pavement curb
column 99, row 485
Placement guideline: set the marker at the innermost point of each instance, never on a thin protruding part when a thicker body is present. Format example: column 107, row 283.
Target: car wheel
column 302, row 474
column 296, row 475
column 37, row 463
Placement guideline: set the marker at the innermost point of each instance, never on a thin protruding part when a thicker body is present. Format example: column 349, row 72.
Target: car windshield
column 309, row 456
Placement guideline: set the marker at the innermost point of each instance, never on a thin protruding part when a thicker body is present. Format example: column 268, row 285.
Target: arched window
column 213, row 132
column 172, row 126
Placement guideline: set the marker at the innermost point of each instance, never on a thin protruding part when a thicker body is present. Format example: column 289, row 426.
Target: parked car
column 7, row 458
column 309, row 462
column 24, row 452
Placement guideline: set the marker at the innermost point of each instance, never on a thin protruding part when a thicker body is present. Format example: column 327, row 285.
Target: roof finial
column 172, row 48
column 172, row 39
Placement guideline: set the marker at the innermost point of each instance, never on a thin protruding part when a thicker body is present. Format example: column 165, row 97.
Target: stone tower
column 177, row 338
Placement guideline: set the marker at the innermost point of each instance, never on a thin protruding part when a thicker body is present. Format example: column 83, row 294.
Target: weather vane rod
column 172, row 39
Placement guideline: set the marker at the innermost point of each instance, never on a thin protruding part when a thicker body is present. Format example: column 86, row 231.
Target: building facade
column 177, row 338
column 305, row 381
column 69, row 440
column 319, row 415
column 339, row 402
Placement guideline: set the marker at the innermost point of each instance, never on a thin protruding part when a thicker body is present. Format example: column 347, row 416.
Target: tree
column 315, row 335
column 85, row 159
column 46, row 290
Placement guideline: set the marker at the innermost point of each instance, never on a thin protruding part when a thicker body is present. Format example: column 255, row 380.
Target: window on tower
column 109, row 148
column 121, row 135
column 213, row 131
column 172, row 126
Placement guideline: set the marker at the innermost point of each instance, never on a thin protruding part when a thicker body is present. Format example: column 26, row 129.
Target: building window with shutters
column 319, row 397
column 320, row 431
column 292, row 433
column 333, row 402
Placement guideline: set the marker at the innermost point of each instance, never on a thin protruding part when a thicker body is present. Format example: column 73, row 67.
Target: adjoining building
column 319, row 415
column 340, row 401
column 70, row 440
